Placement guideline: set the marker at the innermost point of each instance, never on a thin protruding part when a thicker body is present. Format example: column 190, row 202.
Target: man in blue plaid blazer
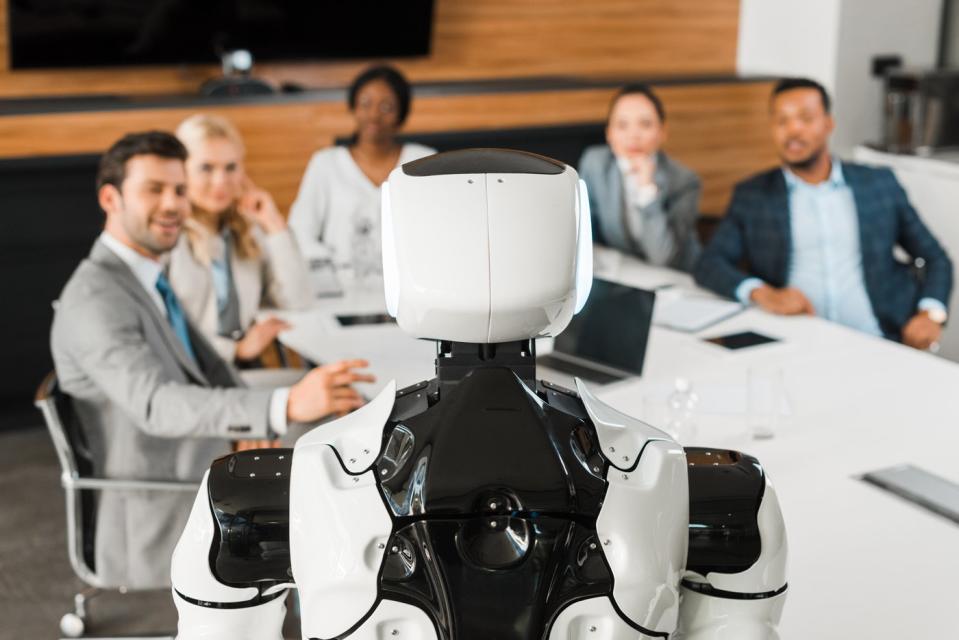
column 817, row 235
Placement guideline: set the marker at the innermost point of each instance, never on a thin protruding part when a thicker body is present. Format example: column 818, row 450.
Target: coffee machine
column 921, row 111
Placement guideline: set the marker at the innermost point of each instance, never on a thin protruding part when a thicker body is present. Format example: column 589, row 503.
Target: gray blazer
column 677, row 202
column 278, row 278
column 149, row 411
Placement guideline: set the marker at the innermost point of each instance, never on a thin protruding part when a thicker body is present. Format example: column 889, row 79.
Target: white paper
column 692, row 313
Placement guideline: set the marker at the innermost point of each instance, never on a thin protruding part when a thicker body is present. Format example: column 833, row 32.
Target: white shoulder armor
column 643, row 522
column 339, row 525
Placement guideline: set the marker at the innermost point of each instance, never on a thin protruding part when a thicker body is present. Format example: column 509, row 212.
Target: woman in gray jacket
column 642, row 201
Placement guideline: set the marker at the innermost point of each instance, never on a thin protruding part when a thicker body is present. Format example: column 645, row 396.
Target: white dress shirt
column 337, row 202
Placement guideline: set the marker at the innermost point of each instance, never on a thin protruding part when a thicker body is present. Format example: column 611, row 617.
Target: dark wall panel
column 50, row 219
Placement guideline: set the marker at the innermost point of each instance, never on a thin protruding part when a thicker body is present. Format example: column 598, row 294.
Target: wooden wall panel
column 474, row 39
column 718, row 129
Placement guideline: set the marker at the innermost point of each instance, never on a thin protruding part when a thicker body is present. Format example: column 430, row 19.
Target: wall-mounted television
column 103, row 33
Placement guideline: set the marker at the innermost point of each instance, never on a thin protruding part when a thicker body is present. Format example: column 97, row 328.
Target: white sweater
column 336, row 201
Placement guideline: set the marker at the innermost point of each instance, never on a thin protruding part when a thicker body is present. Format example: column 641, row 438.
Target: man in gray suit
column 642, row 201
column 154, row 398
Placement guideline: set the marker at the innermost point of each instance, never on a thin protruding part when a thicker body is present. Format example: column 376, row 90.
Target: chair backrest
column 76, row 461
column 69, row 440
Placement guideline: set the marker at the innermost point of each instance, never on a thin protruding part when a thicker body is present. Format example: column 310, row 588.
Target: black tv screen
column 91, row 33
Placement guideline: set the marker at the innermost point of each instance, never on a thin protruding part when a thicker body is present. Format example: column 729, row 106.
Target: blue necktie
column 175, row 314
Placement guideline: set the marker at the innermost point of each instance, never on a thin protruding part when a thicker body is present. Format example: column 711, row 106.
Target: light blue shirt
column 825, row 257
column 220, row 268
column 221, row 283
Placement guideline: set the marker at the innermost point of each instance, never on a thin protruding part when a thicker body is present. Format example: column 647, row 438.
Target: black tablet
column 741, row 340
column 349, row 320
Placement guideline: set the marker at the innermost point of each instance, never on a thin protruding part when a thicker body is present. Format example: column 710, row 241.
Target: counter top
column 111, row 102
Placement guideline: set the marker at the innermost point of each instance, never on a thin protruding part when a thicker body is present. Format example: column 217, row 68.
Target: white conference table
column 863, row 563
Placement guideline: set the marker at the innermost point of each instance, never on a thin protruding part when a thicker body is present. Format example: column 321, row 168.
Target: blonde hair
column 193, row 132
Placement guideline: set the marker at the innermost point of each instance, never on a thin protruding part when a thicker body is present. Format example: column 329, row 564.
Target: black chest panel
column 494, row 493
column 492, row 446
column 446, row 567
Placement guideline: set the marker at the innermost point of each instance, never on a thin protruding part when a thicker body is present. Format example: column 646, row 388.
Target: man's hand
column 920, row 332
column 788, row 301
column 246, row 445
column 327, row 390
column 258, row 338
column 258, row 206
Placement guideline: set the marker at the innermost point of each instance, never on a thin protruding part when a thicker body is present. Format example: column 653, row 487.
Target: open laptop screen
column 612, row 329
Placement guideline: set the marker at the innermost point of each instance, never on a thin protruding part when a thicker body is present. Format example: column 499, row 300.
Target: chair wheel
column 71, row 625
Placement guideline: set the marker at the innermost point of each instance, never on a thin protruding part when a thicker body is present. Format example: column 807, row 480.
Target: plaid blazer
column 754, row 240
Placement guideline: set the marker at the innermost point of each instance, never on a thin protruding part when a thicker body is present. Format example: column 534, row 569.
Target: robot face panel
column 483, row 245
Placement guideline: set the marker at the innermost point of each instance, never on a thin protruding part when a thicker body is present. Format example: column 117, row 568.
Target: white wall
column 833, row 42
column 789, row 38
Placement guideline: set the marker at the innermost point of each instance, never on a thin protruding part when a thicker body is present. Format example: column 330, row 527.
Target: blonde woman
column 237, row 254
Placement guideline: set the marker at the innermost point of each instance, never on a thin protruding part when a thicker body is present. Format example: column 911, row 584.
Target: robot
column 484, row 503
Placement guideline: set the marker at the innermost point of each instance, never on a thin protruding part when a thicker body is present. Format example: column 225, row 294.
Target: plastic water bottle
column 681, row 411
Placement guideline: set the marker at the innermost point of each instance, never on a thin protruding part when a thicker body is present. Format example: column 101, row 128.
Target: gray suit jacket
column 278, row 278
column 678, row 202
column 149, row 411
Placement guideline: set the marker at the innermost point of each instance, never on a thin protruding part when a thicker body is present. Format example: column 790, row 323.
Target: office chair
column 80, row 490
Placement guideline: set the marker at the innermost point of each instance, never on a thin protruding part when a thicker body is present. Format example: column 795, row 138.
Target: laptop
column 606, row 341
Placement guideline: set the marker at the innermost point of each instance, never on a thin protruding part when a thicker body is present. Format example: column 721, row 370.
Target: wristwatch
column 937, row 315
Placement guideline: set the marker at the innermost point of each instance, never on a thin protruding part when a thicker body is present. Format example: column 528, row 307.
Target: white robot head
column 485, row 246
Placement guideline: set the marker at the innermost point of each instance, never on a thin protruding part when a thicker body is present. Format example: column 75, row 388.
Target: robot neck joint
column 456, row 360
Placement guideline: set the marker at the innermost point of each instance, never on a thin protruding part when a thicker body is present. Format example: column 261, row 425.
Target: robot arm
column 230, row 569
column 250, row 522
column 735, row 584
